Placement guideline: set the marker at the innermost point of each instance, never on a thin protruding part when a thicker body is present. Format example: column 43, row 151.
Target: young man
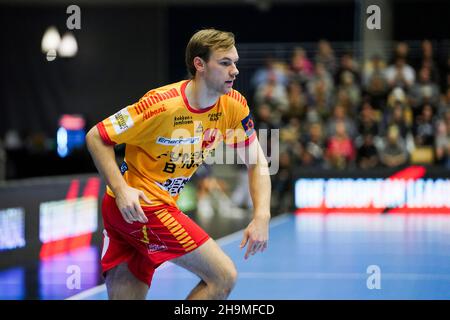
column 168, row 133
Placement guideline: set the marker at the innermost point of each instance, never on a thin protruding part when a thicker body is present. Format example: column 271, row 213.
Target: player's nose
column 234, row 71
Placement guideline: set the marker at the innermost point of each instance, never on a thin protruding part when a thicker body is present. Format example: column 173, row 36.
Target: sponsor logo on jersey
column 186, row 158
column 121, row 121
column 248, row 125
column 151, row 239
column 150, row 113
column 174, row 185
column 214, row 116
column 210, row 136
column 154, row 97
column 180, row 120
column 177, row 141
column 199, row 128
column 123, row 167
column 154, row 247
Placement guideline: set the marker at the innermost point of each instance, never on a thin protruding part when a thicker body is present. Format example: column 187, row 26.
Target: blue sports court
column 316, row 256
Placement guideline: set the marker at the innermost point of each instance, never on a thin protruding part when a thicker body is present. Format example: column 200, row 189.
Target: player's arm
column 127, row 198
column 256, row 235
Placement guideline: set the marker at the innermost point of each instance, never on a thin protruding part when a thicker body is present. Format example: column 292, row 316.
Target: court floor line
column 88, row 293
column 324, row 275
column 235, row 236
column 321, row 275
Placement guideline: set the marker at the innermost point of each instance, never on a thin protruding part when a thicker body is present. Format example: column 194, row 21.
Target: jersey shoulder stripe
column 235, row 95
column 154, row 97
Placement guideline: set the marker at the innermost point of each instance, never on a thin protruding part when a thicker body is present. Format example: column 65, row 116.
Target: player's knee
column 228, row 277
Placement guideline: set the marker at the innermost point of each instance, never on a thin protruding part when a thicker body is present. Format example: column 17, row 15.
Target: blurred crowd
column 336, row 112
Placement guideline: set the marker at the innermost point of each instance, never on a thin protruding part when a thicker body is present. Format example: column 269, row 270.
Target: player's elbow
column 91, row 137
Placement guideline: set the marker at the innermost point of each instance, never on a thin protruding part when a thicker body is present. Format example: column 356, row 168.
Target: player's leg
column 121, row 284
column 215, row 269
column 127, row 271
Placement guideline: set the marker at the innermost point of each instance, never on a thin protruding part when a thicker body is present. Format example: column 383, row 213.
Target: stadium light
column 51, row 40
column 68, row 47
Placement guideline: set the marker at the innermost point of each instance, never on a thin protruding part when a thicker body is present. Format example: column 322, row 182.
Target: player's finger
column 264, row 246
column 249, row 249
column 144, row 197
column 140, row 213
column 130, row 213
column 126, row 216
column 244, row 240
column 136, row 213
column 133, row 212
column 256, row 247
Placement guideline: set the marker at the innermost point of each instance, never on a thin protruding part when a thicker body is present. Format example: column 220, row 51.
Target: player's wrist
column 119, row 189
column 261, row 215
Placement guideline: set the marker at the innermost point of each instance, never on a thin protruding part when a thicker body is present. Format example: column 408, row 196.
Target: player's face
column 221, row 70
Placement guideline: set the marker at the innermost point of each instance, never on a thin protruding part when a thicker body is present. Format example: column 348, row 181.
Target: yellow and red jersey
column 167, row 140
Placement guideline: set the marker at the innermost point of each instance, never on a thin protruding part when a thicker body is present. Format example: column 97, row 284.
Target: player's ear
column 199, row 64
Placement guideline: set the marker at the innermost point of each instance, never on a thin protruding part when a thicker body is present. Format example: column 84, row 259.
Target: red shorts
column 168, row 234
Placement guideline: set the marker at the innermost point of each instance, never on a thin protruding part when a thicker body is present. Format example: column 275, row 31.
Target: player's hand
column 127, row 200
column 256, row 235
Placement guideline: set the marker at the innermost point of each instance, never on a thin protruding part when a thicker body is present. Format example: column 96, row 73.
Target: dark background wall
column 282, row 23
column 126, row 50
column 417, row 20
column 121, row 55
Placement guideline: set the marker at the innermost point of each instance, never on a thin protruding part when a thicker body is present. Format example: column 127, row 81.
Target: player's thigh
column 122, row 284
column 209, row 262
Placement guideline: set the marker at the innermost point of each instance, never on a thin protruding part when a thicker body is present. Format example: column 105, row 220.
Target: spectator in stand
column 368, row 121
column 340, row 116
column 442, row 144
column 352, row 91
column 424, row 91
column 397, row 117
column 292, row 132
column 290, row 137
column 376, row 66
column 375, row 85
column 424, row 127
column 263, row 118
column 426, row 60
column 377, row 92
column 367, row 154
column 314, row 143
column 301, row 68
column 393, row 151
column 444, row 103
column 325, row 55
column 297, row 100
column 282, row 182
column 395, row 98
column 271, row 66
column 447, row 118
column 401, row 51
column 340, row 152
column 274, row 94
column 350, row 65
column 321, row 78
column 400, row 74
column 320, row 104
column 343, row 99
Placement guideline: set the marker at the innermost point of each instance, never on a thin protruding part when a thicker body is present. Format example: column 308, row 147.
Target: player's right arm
column 127, row 198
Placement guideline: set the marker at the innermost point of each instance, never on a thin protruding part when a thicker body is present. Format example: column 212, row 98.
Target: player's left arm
column 256, row 235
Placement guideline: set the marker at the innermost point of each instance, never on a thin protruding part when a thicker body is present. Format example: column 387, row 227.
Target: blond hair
column 203, row 42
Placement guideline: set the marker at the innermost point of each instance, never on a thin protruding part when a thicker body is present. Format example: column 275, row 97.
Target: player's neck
column 199, row 96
